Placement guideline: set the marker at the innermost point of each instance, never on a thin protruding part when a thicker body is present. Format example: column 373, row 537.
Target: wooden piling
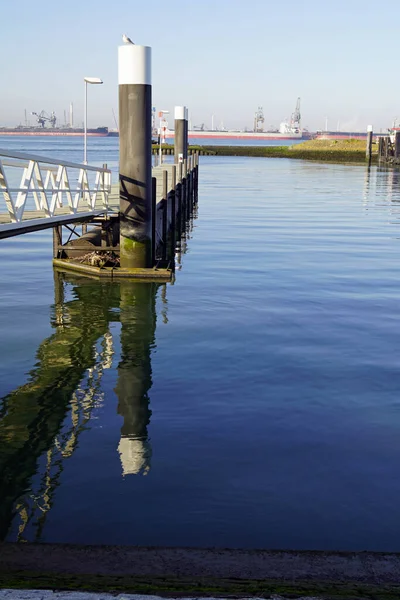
column 184, row 190
column 165, row 215
column 397, row 145
column 180, row 196
column 57, row 240
column 380, row 140
column 368, row 151
column 190, row 181
column 173, row 214
column 153, row 220
column 186, row 132
column 196, row 178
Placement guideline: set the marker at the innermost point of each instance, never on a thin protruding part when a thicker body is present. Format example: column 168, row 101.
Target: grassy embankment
column 338, row 151
column 342, row 151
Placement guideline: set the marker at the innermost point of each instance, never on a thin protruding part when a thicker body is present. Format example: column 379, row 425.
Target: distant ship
column 53, row 131
column 249, row 135
column 288, row 130
column 341, row 135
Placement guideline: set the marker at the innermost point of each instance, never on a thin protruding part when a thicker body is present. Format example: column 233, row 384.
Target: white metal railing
column 48, row 184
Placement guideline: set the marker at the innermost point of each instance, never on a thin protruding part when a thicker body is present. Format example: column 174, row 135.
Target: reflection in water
column 41, row 421
column 138, row 323
column 382, row 185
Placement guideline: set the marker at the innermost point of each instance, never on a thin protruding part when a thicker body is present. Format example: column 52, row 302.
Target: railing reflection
column 41, row 422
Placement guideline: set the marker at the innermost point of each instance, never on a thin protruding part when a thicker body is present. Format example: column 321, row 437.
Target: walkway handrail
column 50, row 161
column 50, row 180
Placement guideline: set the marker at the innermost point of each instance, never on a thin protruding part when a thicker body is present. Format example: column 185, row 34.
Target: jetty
column 131, row 228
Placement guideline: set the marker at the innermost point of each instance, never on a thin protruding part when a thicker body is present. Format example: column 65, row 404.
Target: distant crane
column 259, row 120
column 42, row 117
column 295, row 121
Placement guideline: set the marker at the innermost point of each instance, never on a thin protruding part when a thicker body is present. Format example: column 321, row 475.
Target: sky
column 218, row 57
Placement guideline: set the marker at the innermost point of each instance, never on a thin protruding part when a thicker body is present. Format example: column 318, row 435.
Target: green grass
column 343, row 151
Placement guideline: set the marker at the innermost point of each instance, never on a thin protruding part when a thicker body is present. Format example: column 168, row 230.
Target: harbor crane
column 43, row 117
column 259, row 120
column 295, row 120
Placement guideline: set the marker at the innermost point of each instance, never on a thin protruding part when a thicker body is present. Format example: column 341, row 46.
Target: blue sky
column 221, row 57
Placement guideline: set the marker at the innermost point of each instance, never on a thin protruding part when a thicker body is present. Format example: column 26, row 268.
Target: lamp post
column 92, row 80
column 161, row 114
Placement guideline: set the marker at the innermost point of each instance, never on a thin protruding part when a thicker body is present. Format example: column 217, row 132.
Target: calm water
column 254, row 402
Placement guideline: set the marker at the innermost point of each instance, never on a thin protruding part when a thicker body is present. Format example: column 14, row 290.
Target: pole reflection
column 42, row 421
column 138, row 324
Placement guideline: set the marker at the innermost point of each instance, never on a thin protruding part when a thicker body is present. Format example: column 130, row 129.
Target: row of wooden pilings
column 170, row 151
column 389, row 148
column 172, row 214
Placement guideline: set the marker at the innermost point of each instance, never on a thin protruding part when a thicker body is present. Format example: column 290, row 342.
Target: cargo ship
column 340, row 135
column 232, row 135
column 249, row 135
column 53, row 131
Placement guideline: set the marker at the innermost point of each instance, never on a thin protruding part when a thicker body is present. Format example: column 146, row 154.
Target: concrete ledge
column 154, row 274
column 200, row 572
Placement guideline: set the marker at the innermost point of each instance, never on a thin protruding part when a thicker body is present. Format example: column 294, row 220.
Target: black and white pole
column 134, row 78
column 180, row 134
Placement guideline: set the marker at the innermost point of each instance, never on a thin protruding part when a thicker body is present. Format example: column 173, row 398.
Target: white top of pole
column 179, row 113
column 186, row 113
column 134, row 64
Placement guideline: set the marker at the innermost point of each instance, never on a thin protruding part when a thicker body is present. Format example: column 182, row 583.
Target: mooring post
column 193, row 178
column 180, row 132
column 134, row 77
column 186, row 132
column 397, row 144
column 190, row 179
column 197, row 178
column 380, row 140
column 165, row 214
column 368, row 151
column 384, row 144
column 173, row 214
column 153, row 220
column 184, row 189
column 179, row 192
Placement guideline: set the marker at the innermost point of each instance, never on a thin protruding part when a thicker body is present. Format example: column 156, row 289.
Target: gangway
column 39, row 192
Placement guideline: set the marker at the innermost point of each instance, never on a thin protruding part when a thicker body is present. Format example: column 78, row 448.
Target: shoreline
column 335, row 151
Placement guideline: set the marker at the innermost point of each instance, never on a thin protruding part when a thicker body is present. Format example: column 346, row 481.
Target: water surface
column 253, row 403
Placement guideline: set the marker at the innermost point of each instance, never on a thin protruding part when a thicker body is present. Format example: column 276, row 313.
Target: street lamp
column 92, row 80
column 161, row 114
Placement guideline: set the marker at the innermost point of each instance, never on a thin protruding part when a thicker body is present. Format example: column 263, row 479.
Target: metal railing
column 47, row 185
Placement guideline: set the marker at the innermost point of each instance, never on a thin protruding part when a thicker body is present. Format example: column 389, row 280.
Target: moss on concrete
column 134, row 254
column 170, row 586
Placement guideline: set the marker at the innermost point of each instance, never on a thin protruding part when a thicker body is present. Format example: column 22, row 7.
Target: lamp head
column 93, row 80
